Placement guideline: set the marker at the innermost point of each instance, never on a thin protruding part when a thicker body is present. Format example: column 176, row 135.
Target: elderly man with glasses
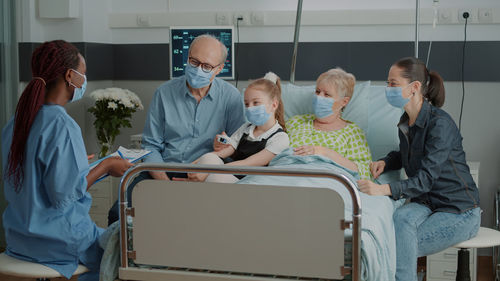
column 186, row 113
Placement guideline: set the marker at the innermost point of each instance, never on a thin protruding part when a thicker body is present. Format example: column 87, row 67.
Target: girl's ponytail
column 280, row 111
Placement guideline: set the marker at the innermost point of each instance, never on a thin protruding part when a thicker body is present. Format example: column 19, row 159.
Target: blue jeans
column 420, row 232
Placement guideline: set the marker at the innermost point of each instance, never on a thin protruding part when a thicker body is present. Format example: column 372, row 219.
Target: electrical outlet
column 485, row 15
column 472, row 15
column 222, row 18
column 242, row 18
column 143, row 21
column 257, row 18
column 445, row 16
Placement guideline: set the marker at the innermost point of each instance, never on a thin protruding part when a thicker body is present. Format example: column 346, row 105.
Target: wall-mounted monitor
column 181, row 38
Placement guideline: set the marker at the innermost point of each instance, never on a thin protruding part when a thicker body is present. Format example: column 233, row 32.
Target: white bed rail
column 223, row 169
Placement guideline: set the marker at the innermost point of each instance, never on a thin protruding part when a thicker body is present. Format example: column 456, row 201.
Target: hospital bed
column 284, row 222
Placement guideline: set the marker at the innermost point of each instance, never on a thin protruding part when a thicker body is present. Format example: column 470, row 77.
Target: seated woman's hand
column 377, row 168
column 308, row 150
column 371, row 188
column 117, row 166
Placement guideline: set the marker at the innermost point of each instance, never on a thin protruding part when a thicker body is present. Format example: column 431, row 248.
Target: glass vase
column 105, row 149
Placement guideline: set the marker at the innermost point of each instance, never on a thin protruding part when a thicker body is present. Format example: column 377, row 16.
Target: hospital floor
column 485, row 272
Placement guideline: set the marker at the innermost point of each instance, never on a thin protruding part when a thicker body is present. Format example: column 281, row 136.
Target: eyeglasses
column 204, row 66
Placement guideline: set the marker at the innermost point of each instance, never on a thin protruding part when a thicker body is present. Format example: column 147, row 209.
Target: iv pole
column 297, row 29
column 296, row 41
column 417, row 26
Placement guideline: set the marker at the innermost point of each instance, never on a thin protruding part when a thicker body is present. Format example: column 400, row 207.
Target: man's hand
column 159, row 175
column 218, row 146
column 197, row 177
column 377, row 168
column 371, row 188
column 200, row 177
column 90, row 157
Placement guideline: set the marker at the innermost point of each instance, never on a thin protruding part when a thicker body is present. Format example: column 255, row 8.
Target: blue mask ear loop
column 413, row 93
column 84, row 78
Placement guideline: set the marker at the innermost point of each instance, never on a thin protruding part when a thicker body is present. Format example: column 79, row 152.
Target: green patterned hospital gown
column 349, row 141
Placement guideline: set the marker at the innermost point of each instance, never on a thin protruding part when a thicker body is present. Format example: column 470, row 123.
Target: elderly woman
column 325, row 132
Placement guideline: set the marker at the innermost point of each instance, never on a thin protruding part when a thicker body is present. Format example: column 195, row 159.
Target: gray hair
column 341, row 80
column 222, row 46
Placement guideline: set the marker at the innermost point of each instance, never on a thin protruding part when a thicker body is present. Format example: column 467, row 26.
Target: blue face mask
column 394, row 96
column 79, row 92
column 196, row 77
column 257, row 115
column 322, row 106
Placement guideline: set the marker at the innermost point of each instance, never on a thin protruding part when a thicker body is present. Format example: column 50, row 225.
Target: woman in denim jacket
column 444, row 208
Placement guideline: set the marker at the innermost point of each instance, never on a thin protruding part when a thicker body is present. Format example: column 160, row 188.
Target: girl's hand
column 218, row 146
column 377, row 168
column 372, row 188
column 90, row 157
column 308, row 150
column 197, row 177
column 117, row 166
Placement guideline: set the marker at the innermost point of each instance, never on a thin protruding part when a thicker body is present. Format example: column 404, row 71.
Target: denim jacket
column 432, row 155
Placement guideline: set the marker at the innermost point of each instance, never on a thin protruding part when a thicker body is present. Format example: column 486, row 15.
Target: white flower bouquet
column 113, row 109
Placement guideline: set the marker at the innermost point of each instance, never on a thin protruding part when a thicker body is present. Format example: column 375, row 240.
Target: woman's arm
column 438, row 145
column 357, row 156
column 371, row 188
column 393, row 161
column 115, row 166
column 327, row 152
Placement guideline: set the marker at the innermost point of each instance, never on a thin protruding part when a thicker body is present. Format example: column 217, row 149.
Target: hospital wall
column 481, row 126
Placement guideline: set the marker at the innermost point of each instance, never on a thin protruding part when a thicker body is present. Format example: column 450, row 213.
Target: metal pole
column 296, row 41
column 417, row 26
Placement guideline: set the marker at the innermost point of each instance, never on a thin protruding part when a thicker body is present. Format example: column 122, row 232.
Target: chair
column 485, row 238
column 19, row 268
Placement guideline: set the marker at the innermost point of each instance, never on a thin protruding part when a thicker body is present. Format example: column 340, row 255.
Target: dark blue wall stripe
column 367, row 60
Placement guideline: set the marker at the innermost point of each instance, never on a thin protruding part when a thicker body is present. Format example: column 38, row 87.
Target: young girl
column 257, row 142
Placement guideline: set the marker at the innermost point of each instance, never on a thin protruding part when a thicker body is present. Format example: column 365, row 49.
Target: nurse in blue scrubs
column 46, row 171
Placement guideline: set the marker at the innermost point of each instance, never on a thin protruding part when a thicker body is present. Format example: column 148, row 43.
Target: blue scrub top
column 48, row 220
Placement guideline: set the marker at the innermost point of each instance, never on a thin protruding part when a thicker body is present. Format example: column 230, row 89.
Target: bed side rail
column 172, row 167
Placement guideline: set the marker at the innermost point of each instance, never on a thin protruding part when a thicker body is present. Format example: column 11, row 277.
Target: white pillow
column 357, row 109
column 383, row 118
column 297, row 100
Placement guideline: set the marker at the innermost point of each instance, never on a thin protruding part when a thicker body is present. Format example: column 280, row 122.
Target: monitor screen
column 181, row 38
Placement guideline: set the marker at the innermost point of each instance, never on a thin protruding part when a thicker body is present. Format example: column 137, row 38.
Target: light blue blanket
column 378, row 246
